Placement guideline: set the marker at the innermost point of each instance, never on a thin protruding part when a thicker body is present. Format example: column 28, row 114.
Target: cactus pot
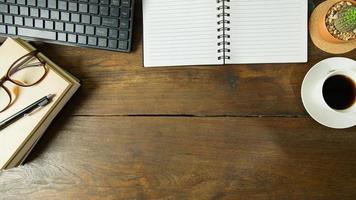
column 320, row 35
column 322, row 25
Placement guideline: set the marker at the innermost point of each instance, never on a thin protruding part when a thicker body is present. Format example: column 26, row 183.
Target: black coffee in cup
column 339, row 92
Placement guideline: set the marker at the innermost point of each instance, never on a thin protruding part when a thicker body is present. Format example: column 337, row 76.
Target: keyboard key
column 104, row 10
column 19, row 21
column 69, row 27
column 93, row 9
column 65, row 16
column 38, row 23
column 124, row 24
column 73, row 6
column 92, row 41
column 79, row 28
column 29, row 22
column 62, row 5
column 34, row 12
column 14, row 10
column 89, row 30
column 4, row 8
column 113, row 33
column 83, row 8
column 124, row 35
column 104, row 1
column 115, row 2
column 2, row 28
column 82, row 39
column 126, row 3
column 21, row 2
column 115, row 11
column 62, row 37
column 75, row 17
column 94, row 1
column 72, row 38
column 44, row 13
column 125, row 13
column 1, row 18
column 86, row 19
column 101, row 32
column 111, row 22
column 123, row 45
column 24, row 11
column 9, row 19
column 55, row 15
column 36, row 33
column 102, row 42
column 59, row 26
column 112, row 44
column 11, row 30
column 31, row 2
column 42, row 3
column 49, row 24
column 95, row 20
column 52, row 4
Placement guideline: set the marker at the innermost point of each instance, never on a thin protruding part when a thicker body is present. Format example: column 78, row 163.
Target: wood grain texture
column 219, row 132
column 126, row 88
column 118, row 81
column 187, row 158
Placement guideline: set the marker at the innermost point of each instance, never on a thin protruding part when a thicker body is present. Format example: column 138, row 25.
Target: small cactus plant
column 346, row 19
column 340, row 20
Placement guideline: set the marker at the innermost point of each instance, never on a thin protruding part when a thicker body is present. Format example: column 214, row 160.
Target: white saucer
column 312, row 94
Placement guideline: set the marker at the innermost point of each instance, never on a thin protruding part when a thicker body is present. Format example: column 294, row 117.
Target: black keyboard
column 104, row 24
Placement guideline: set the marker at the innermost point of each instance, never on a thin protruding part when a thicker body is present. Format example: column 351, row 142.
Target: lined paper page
column 180, row 32
column 268, row 31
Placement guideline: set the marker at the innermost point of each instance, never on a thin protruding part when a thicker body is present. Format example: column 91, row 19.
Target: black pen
column 26, row 111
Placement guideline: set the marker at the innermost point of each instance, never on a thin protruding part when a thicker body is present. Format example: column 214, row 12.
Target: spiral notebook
column 215, row 32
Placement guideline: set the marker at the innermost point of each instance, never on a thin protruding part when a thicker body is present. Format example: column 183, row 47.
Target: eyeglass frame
column 6, row 77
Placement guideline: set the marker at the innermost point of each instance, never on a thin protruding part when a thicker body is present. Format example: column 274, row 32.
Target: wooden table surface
column 219, row 132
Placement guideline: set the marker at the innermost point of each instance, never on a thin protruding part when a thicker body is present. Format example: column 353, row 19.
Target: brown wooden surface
column 220, row 132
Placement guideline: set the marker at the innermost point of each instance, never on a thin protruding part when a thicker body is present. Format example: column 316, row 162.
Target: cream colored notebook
column 18, row 139
column 26, row 149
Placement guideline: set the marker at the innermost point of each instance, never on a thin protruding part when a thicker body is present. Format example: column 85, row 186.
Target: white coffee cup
column 351, row 75
column 312, row 92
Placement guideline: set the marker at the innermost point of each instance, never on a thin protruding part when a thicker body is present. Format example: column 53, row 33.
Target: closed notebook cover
column 14, row 137
column 26, row 149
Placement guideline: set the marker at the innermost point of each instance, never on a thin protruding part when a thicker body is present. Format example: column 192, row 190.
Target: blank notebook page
column 180, row 32
column 268, row 31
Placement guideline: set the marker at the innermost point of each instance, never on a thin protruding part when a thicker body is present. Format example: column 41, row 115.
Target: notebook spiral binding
column 223, row 29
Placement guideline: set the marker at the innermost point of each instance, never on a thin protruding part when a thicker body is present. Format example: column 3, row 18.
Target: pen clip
column 40, row 106
column 33, row 111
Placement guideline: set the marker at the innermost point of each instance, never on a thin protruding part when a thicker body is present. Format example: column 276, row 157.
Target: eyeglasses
column 26, row 71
